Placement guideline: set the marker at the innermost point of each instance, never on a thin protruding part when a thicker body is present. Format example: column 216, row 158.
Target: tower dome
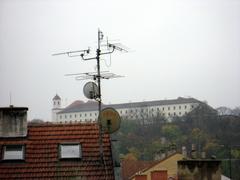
column 56, row 97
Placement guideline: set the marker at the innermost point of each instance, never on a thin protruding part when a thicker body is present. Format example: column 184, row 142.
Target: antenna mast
column 110, row 49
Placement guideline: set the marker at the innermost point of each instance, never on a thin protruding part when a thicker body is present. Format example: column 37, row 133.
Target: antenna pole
column 10, row 98
column 99, row 90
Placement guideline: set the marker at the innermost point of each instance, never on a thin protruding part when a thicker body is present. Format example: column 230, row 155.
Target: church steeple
column 56, row 102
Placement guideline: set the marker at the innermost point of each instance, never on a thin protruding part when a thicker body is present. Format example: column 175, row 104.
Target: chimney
column 13, row 121
column 184, row 152
column 193, row 152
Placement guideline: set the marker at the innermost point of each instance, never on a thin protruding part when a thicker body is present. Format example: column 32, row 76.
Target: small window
column 185, row 107
column 67, row 151
column 60, row 116
column 75, row 116
column 179, row 107
column 174, row 107
column 13, row 152
column 168, row 108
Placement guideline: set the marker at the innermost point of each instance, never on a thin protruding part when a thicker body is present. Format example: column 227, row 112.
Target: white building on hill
column 88, row 111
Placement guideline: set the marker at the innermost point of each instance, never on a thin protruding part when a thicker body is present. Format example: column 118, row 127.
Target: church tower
column 56, row 107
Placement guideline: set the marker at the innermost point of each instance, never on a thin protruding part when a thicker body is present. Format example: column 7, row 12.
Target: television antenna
column 94, row 75
column 98, row 75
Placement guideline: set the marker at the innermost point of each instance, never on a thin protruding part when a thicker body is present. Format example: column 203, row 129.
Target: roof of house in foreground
column 80, row 106
column 42, row 157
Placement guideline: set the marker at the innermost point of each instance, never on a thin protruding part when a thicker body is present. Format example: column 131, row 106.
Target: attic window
column 13, row 152
column 68, row 151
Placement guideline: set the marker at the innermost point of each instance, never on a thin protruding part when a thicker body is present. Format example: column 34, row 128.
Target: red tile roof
column 41, row 153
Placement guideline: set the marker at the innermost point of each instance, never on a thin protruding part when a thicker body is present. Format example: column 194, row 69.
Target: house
column 52, row 150
column 165, row 168
column 88, row 111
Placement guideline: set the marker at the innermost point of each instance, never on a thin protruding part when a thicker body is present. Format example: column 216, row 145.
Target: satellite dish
column 110, row 120
column 90, row 90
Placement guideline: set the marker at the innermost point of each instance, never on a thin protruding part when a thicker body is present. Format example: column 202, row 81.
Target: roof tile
column 41, row 153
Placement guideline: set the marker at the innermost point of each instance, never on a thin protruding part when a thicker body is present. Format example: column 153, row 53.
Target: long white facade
column 88, row 111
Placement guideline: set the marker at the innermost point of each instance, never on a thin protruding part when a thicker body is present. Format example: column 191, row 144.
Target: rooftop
column 42, row 153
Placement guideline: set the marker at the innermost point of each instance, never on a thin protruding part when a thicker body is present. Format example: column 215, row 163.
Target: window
column 65, row 116
column 90, row 114
column 67, row 151
column 179, row 107
column 168, row 108
column 180, row 113
column 75, row 115
column 163, row 108
column 13, row 152
column 174, row 107
column 60, row 116
column 185, row 107
column 70, row 116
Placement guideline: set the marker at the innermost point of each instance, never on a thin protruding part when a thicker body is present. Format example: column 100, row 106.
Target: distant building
column 51, row 150
column 88, row 111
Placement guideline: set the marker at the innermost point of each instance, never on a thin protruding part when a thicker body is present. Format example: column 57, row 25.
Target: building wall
column 142, row 112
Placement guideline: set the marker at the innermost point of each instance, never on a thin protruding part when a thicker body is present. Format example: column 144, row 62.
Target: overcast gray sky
column 179, row 48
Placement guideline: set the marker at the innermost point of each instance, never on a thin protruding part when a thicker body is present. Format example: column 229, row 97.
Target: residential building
column 52, row 150
column 88, row 111
column 166, row 167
